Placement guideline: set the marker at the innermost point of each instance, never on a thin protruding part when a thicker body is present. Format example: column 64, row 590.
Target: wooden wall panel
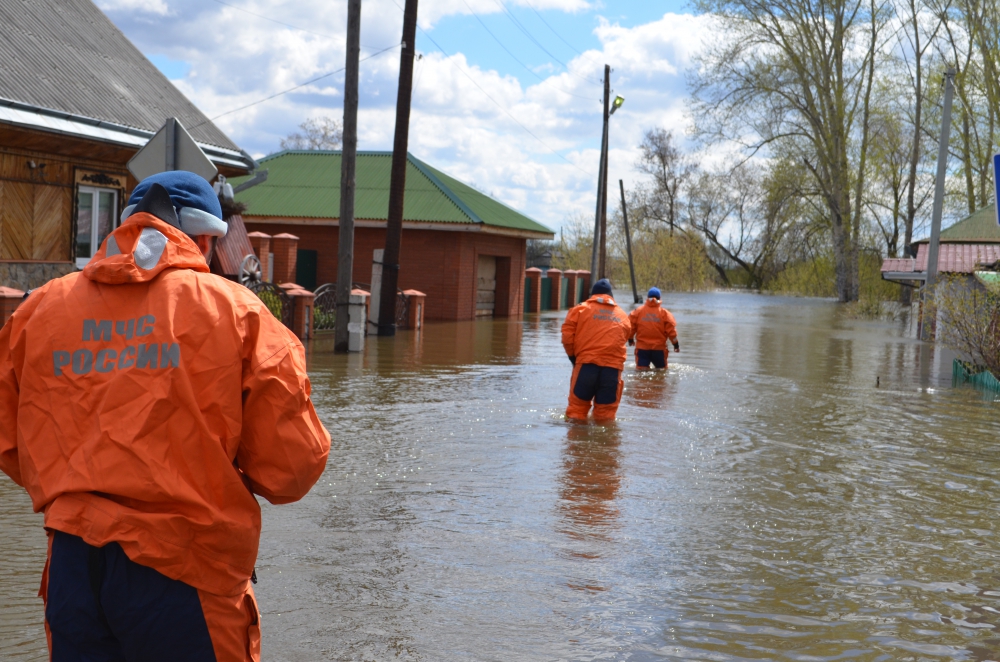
column 50, row 230
column 18, row 211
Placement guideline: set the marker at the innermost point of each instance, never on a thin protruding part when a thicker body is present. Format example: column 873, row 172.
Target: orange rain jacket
column 148, row 406
column 596, row 332
column 652, row 325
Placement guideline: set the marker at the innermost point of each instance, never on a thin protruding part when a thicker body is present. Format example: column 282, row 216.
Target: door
column 305, row 269
column 486, row 286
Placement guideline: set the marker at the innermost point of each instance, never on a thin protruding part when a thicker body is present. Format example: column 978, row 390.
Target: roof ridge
column 451, row 195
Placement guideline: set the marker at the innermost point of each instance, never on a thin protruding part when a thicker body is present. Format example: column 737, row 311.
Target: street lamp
column 617, row 103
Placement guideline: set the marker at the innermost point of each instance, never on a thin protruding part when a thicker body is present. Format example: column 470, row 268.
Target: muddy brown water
column 762, row 500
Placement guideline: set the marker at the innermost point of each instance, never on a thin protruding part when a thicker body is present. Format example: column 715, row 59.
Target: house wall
column 441, row 264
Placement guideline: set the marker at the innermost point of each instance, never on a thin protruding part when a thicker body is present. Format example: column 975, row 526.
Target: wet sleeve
column 284, row 446
column 670, row 326
column 9, row 463
column 633, row 321
column 569, row 331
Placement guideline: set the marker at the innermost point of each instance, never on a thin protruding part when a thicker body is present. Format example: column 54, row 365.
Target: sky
column 506, row 95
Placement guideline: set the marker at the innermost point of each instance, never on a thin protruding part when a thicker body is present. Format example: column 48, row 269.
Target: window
column 96, row 217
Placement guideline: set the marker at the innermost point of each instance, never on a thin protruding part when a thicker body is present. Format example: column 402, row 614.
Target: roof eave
column 53, row 121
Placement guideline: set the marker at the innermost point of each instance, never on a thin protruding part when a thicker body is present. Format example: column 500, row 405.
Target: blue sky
column 529, row 136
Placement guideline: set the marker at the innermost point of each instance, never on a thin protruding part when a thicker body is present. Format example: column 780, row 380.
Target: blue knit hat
column 198, row 208
column 602, row 286
column 654, row 293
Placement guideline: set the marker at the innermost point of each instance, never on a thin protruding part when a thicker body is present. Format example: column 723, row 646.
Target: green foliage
column 324, row 319
column 969, row 319
column 272, row 301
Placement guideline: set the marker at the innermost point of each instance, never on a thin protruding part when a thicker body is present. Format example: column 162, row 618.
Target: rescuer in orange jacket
column 594, row 336
column 651, row 327
column 143, row 403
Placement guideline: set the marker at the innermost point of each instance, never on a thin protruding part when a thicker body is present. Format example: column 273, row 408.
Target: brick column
column 262, row 248
column 534, row 277
column 571, row 279
column 416, row 305
column 10, row 299
column 584, row 275
column 555, row 276
column 286, row 248
column 302, row 312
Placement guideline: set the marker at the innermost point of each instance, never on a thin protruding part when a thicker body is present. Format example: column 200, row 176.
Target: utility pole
column 604, row 198
column 596, row 261
column 628, row 244
column 942, row 171
column 348, row 159
column 397, row 181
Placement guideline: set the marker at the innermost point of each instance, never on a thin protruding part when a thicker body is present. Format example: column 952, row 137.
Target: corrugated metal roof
column 979, row 227
column 952, row 258
column 67, row 56
column 306, row 184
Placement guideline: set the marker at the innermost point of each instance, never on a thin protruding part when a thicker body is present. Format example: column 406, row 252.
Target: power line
column 530, row 36
column 549, row 26
column 497, row 104
column 292, row 89
column 529, row 69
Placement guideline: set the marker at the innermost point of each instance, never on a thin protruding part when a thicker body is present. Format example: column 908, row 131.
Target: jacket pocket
column 253, row 628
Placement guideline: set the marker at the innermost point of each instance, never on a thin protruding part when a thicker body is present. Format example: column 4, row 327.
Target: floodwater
column 798, row 486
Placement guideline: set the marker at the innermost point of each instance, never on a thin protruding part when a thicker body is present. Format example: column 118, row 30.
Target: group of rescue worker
column 144, row 402
column 595, row 334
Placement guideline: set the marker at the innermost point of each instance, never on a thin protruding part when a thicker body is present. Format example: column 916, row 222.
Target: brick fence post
column 416, row 306
column 534, row 277
column 555, row 276
column 302, row 312
column 262, row 248
column 584, row 275
column 571, row 285
column 286, row 248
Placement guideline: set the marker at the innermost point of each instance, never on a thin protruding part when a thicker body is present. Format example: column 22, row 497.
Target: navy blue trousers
column 103, row 607
column 643, row 357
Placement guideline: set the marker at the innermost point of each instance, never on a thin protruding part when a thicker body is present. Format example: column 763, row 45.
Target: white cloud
column 236, row 59
column 158, row 7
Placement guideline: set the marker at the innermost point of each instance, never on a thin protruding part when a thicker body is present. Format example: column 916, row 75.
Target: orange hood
column 141, row 248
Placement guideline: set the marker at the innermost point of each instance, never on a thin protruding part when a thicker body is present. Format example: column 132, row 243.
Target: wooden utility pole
column 345, row 247
column 927, row 330
column 397, row 181
column 604, row 198
column 596, row 259
column 628, row 244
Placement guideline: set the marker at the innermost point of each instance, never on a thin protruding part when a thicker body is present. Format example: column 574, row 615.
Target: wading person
column 143, row 403
column 594, row 336
column 652, row 326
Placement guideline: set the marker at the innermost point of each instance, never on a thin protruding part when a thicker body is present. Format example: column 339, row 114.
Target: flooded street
column 762, row 500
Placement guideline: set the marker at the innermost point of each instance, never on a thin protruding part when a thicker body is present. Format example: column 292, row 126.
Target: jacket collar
column 140, row 249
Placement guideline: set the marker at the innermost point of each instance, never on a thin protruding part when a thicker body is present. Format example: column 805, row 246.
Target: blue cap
column 198, row 209
column 602, row 286
column 654, row 293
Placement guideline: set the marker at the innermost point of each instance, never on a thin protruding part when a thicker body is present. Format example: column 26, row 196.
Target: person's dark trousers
column 597, row 386
column 643, row 357
column 100, row 606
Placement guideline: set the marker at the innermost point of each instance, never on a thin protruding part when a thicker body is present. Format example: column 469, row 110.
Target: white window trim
column 81, row 262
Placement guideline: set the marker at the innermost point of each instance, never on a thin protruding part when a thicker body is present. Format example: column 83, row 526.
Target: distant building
column 462, row 248
column 77, row 100
column 968, row 246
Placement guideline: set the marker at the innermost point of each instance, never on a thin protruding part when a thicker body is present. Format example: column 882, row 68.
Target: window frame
column 96, row 191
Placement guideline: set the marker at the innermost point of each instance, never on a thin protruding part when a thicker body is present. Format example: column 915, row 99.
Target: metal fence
column 325, row 306
column 276, row 300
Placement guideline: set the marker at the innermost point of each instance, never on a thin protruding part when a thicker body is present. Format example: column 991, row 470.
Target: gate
column 325, row 307
column 276, row 300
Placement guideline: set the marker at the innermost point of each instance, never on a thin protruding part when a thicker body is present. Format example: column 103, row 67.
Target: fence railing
column 276, row 300
column 325, row 306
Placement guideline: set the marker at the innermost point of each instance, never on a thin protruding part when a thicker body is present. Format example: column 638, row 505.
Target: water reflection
column 590, row 481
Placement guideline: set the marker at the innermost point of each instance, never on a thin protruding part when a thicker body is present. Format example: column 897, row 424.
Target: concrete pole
column 595, row 252
column 604, row 206
column 628, row 244
column 942, row 171
column 345, row 247
column 397, row 177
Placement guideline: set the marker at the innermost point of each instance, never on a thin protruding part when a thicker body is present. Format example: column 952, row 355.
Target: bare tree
column 670, row 169
column 316, row 133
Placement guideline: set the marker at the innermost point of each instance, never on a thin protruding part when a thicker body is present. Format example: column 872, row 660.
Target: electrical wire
column 549, row 26
column 496, row 103
column 292, row 89
column 529, row 69
column 530, row 36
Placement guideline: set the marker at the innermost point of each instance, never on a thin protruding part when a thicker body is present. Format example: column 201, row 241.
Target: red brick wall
column 440, row 264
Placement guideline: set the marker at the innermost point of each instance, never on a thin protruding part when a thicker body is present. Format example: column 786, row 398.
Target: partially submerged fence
column 325, row 306
column 554, row 289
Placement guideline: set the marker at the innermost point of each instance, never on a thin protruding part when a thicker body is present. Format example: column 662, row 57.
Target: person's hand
column 677, row 347
column 572, row 359
column 631, row 342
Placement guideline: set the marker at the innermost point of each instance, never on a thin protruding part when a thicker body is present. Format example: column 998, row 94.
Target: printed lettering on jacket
column 141, row 356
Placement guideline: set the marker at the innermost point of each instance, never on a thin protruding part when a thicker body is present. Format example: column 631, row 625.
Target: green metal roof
column 306, row 184
column 980, row 227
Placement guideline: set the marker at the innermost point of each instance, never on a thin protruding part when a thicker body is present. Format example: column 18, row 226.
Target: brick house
column 462, row 248
column 77, row 100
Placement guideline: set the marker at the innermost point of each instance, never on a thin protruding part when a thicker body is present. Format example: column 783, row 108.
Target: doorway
column 486, row 286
